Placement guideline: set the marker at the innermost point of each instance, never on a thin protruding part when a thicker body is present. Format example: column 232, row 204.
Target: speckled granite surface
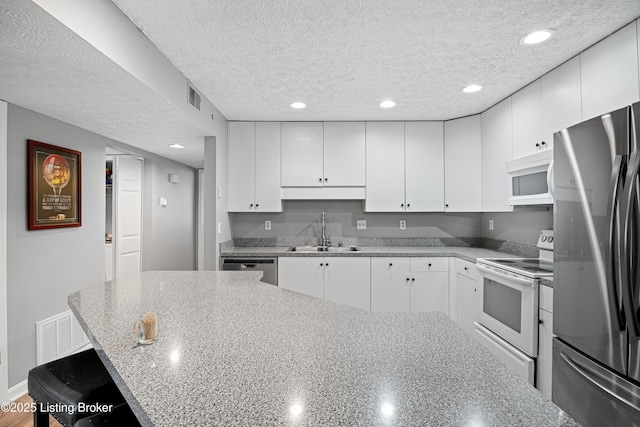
column 233, row 351
column 469, row 254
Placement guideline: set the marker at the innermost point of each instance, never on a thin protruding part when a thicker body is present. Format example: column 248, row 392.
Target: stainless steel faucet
column 324, row 240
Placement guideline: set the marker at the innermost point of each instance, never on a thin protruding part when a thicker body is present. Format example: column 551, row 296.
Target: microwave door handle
column 550, row 180
column 613, row 238
column 629, row 198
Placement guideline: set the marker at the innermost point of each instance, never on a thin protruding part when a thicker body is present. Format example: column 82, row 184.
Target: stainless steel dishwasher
column 268, row 266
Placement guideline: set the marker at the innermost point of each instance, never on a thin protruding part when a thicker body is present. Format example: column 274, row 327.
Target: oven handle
column 489, row 272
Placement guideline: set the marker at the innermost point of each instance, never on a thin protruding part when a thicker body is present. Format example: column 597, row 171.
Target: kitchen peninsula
column 234, row 351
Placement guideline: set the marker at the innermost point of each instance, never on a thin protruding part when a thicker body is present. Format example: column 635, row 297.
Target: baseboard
column 17, row 391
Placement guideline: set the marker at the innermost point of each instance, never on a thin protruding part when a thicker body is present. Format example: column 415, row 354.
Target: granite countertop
column 234, row 351
column 469, row 254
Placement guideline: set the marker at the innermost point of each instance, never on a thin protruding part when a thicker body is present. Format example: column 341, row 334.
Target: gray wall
column 521, row 226
column 169, row 233
column 302, row 219
column 44, row 266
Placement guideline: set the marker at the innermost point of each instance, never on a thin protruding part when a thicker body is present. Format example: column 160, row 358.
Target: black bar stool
column 121, row 415
column 58, row 387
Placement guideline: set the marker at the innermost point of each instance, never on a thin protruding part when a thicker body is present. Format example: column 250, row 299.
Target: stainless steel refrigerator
column 596, row 354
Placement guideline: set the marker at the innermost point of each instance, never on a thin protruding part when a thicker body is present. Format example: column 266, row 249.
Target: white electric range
column 508, row 305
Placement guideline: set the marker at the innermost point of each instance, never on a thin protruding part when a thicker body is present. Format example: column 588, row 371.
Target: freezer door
column 591, row 394
column 590, row 161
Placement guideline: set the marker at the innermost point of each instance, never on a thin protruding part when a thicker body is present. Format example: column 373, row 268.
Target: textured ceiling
column 342, row 57
column 47, row 68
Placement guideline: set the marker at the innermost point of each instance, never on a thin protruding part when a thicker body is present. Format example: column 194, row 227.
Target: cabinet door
column 430, row 291
column 390, row 289
column 424, row 166
column 344, row 154
column 497, row 146
column 527, row 121
column 462, row 165
column 242, row 136
column 267, row 161
column 466, row 303
column 302, row 157
column 304, row 275
column 609, row 73
column 545, row 353
column 348, row 281
column 385, row 167
column 561, row 99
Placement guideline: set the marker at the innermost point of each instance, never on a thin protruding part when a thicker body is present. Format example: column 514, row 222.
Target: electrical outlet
column 219, row 192
column 490, row 224
column 267, row 225
column 361, row 224
column 403, row 224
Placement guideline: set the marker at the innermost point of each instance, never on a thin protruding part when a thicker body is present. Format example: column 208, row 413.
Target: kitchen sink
column 330, row 249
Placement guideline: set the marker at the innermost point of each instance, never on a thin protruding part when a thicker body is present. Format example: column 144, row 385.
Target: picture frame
column 55, row 184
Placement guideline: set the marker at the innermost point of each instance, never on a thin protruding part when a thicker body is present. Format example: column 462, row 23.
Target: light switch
column 267, row 225
column 163, row 202
column 219, row 192
column 219, row 228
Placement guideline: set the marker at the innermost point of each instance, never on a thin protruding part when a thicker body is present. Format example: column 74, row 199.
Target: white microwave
column 532, row 179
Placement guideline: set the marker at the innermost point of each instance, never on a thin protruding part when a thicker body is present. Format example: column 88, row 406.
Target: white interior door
column 4, row 372
column 128, row 215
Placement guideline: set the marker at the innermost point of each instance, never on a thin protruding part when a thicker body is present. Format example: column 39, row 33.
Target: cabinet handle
column 251, row 205
column 326, row 179
column 429, row 264
column 319, row 179
column 537, row 144
column 446, row 206
column 321, row 264
column 257, row 205
column 402, row 205
column 326, row 264
column 466, row 269
column 413, row 279
column 540, row 321
column 390, row 264
column 407, row 279
column 544, row 143
column 408, row 205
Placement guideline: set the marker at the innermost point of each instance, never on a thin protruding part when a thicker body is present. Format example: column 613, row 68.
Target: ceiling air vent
column 194, row 97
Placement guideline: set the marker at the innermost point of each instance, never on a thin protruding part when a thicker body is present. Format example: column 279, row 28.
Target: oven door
column 508, row 306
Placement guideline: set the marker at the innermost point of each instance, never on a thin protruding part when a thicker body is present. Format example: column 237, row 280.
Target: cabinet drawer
column 466, row 268
column 430, row 264
column 546, row 298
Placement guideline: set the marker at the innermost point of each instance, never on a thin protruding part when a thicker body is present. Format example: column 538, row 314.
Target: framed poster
column 54, row 186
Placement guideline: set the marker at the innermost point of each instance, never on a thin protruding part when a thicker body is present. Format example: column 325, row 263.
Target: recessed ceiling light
column 537, row 37
column 176, row 146
column 471, row 88
column 387, row 104
column 298, row 105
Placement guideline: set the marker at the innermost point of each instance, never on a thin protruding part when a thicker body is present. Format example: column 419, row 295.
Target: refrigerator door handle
column 612, row 239
column 597, row 380
column 628, row 199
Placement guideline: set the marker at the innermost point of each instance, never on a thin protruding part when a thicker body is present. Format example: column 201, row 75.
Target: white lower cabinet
column 345, row 280
column 410, row 284
column 466, row 285
column 545, row 341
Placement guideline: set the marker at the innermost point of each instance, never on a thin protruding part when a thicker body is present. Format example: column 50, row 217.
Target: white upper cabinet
column 344, row 154
column 302, row 154
column 497, row 149
column 610, row 73
column 462, row 168
column 526, row 110
column 254, row 167
column 424, row 166
column 385, row 167
column 561, row 99
column 267, row 166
